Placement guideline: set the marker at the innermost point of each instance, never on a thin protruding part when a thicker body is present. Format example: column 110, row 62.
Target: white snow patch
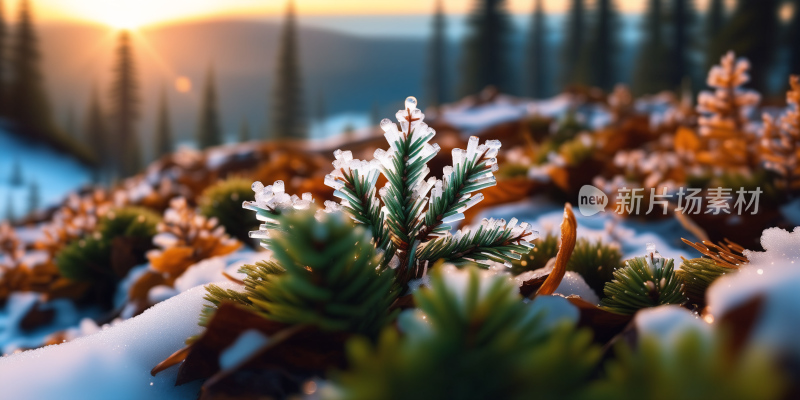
column 773, row 275
column 668, row 323
column 113, row 363
column 55, row 173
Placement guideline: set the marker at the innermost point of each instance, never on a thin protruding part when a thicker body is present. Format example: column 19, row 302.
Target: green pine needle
column 697, row 275
column 643, row 282
column 477, row 341
column 321, row 273
column 223, row 201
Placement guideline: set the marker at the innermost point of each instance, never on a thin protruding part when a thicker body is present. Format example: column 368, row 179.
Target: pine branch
column 648, row 281
column 492, row 242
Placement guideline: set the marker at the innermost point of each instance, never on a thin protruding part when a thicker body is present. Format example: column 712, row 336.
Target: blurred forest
column 262, row 80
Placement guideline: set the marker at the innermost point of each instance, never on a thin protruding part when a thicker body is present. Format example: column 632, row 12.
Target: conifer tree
column 535, row 69
column 486, row 48
column 209, row 132
column 650, row 76
column 752, row 34
column 598, row 63
column 34, row 197
column 289, row 119
column 3, row 72
column 682, row 20
column 437, row 78
column 715, row 22
column 244, row 131
column 320, row 112
column 16, row 174
column 163, row 140
column 375, row 114
column 10, row 207
column 96, row 133
column 573, row 42
column 30, row 108
column 124, row 109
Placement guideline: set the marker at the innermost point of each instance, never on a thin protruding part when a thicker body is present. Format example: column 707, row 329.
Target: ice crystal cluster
column 725, row 111
column 271, row 201
column 410, row 215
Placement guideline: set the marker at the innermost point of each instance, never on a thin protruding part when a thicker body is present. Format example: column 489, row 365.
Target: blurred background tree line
column 677, row 42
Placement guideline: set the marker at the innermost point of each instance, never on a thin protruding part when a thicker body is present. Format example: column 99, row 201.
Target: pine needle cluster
column 472, row 338
column 410, row 220
column 643, row 282
column 322, row 273
column 697, row 275
column 595, row 262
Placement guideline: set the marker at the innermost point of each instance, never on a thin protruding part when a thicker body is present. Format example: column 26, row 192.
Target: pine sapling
column 410, row 217
column 643, row 282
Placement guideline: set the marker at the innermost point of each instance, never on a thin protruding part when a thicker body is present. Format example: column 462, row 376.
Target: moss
column 545, row 248
column 90, row 258
column 596, row 262
column 223, row 201
column 697, row 275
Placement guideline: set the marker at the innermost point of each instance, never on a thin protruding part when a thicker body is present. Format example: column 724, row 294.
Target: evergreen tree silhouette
column 486, row 48
column 96, row 134
column 792, row 41
column 752, row 33
column 651, row 74
column 598, row 63
column 375, row 114
column 30, row 108
column 535, row 73
column 3, row 72
column 10, row 213
column 289, row 117
column 209, row 131
column 34, row 197
column 124, row 109
column 244, row 131
column 15, row 179
column 437, row 53
column 320, row 113
column 573, row 42
column 714, row 25
column 682, row 19
column 163, row 142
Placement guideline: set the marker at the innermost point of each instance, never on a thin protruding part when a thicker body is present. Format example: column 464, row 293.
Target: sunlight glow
column 183, row 84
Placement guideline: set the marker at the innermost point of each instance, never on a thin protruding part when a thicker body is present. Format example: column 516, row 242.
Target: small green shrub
column 223, row 201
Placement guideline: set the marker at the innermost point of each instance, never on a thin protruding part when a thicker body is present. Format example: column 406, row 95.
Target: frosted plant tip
column 411, row 102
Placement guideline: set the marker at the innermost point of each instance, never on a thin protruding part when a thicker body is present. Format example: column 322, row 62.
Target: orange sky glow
column 133, row 13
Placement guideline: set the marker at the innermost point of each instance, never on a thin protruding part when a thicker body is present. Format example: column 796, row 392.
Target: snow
column 12, row 337
column 668, row 323
column 773, row 275
column 632, row 235
column 247, row 342
column 471, row 119
column 113, row 363
column 56, row 172
column 572, row 283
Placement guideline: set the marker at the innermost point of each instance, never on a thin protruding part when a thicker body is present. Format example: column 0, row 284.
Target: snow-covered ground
column 113, row 363
column 55, row 173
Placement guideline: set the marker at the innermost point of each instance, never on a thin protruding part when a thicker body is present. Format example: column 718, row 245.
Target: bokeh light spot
column 183, row 84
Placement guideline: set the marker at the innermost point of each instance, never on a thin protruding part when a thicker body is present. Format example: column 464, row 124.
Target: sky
column 129, row 13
